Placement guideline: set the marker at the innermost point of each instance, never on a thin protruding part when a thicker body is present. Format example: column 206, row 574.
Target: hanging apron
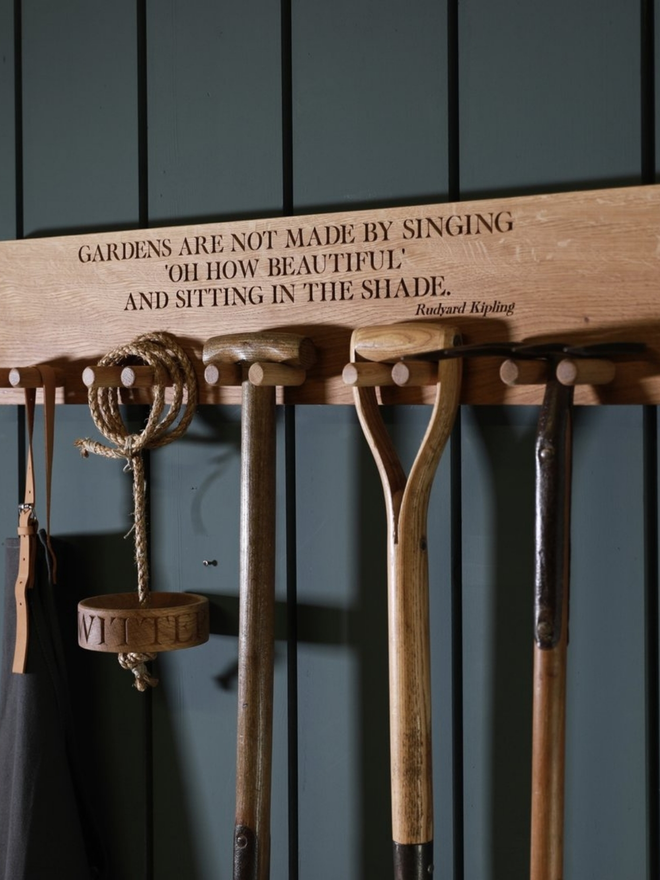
column 46, row 828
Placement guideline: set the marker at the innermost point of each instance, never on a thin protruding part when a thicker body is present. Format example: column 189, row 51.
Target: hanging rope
column 172, row 367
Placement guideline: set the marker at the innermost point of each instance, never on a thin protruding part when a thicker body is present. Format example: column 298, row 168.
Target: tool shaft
column 553, row 479
column 256, row 634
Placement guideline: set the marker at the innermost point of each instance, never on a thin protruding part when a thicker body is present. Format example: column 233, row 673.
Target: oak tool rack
column 577, row 267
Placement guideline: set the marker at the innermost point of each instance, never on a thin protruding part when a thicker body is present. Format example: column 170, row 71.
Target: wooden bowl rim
column 158, row 602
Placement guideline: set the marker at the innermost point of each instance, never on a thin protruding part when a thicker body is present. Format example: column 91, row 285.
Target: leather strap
column 27, row 521
column 49, row 384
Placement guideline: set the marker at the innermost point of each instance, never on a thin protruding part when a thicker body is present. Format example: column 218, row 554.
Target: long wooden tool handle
column 410, row 700
column 553, row 476
column 408, row 585
column 409, row 645
column 256, row 635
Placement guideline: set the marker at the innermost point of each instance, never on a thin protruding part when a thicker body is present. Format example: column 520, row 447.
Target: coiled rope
column 172, row 367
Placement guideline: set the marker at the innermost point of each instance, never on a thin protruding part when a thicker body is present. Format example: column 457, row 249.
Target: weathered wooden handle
column 553, row 476
column 274, row 346
column 407, row 501
column 392, row 342
column 256, row 634
column 273, row 359
column 548, row 762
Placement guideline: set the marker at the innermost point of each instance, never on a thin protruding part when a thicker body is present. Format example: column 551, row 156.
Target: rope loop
column 171, row 367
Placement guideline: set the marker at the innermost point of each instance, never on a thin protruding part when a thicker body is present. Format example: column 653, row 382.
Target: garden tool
column 266, row 360
column 552, row 562
column 406, row 501
column 561, row 367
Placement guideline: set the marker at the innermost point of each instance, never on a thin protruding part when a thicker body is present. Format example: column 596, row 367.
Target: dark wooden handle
column 553, row 477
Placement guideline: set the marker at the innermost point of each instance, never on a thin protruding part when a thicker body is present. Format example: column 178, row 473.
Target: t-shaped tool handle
column 265, row 360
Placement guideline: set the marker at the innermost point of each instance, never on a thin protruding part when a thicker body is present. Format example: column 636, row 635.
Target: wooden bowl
column 116, row 623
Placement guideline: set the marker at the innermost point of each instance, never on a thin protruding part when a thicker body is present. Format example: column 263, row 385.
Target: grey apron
column 46, row 828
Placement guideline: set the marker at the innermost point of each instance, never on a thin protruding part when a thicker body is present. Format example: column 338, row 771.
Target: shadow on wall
column 507, row 442
column 113, row 721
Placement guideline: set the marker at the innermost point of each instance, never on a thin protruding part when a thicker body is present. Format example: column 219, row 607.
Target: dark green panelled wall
column 127, row 114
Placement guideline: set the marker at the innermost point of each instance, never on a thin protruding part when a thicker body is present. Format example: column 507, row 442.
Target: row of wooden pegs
column 404, row 373
column 403, row 355
column 139, row 376
column 569, row 371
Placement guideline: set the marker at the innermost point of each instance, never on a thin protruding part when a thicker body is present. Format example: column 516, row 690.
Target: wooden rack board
column 578, row 267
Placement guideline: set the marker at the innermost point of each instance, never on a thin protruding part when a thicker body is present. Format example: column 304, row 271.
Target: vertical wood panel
column 8, row 230
column 370, row 126
column 370, row 94
column 7, row 131
column 344, row 766
column 80, row 172
column 80, row 115
column 498, row 499
column 214, row 110
column 540, row 89
column 195, row 703
column 535, row 82
column 655, row 7
column 605, row 820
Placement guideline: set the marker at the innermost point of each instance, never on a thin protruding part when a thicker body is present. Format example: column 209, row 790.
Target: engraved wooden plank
column 580, row 266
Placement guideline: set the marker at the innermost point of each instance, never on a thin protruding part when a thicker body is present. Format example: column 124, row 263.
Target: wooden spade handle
column 395, row 341
column 407, row 501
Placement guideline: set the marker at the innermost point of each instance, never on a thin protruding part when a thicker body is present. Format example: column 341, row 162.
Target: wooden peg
column 271, row 374
column 141, row 376
column 102, row 377
column 522, row 372
column 585, row 371
column 367, row 374
column 406, row 373
column 30, row 377
column 223, row 374
column 4, row 377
